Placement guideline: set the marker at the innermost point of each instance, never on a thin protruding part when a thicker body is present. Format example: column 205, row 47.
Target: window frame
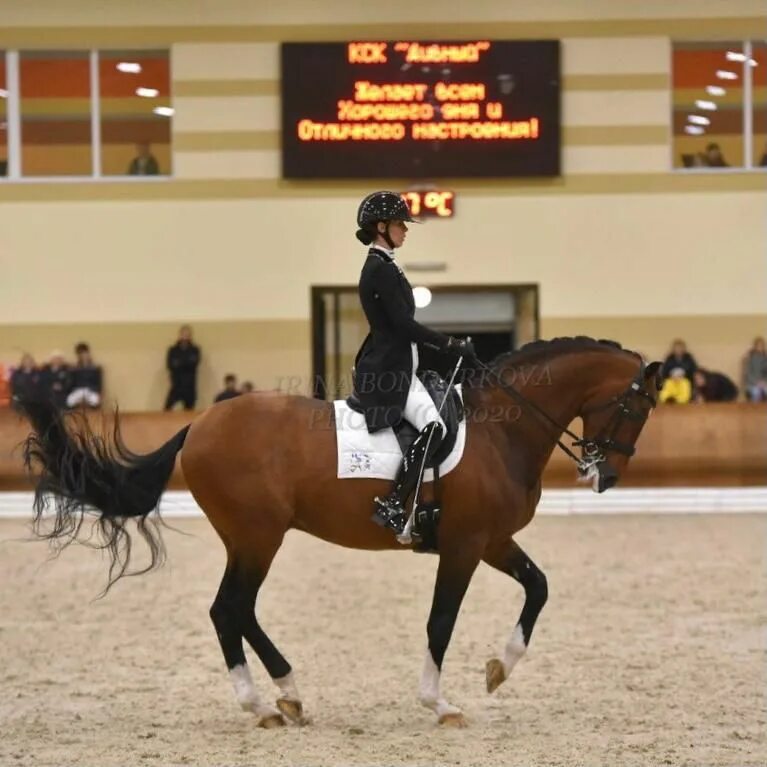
column 747, row 116
column 13, row 119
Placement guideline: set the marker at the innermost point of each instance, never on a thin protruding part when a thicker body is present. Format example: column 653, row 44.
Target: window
column 3, row 118
column 718, row 104
column 84, row 114
column 55, row 106
column 759, row 113
column 134, row 90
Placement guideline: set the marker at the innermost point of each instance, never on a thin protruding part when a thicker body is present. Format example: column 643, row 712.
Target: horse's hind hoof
column 495, row 674
column 457, row 720
column 293, row 710
column 271, row 721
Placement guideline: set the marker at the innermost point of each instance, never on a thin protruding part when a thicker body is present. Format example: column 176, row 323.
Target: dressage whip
column 404, row 537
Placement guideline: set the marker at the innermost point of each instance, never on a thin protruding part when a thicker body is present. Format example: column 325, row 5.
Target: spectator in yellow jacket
column 676, row 388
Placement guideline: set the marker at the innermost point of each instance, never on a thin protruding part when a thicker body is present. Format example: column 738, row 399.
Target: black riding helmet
column 381, row 206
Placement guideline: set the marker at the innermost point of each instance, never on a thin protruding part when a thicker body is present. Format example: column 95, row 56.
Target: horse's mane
column 536, row 350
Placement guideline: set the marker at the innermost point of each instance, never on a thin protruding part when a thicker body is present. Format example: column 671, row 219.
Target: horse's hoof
column 271, row 721
column 293, row 710
column 457, row 720
column 495, row 674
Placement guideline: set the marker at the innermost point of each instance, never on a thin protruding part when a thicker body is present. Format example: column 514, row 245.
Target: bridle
column 594, row 448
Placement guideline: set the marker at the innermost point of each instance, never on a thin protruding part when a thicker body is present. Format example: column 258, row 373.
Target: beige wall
column 620, row 246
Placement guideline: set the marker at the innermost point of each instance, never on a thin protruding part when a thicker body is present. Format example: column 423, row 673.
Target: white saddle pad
column 378, row 456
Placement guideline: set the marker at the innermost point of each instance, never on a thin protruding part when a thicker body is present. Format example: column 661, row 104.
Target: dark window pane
column 135, row 138
column 708, row 104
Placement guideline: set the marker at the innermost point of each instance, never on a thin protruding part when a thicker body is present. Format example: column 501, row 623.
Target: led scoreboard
column 420, row 109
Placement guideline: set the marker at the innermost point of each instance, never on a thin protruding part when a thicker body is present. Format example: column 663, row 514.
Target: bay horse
column 263, row 464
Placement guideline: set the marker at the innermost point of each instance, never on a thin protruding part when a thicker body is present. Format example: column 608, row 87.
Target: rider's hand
column 462, row 348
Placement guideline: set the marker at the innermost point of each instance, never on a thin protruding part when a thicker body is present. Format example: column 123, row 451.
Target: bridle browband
column 594, row 448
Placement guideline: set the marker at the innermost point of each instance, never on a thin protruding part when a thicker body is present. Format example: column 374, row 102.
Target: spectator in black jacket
column 712, row 387
column 25, row 380
column 679, row 358
column 182, row 361
column 230, row 390
column 56, row 380
column 144, row 163
column 86, row 380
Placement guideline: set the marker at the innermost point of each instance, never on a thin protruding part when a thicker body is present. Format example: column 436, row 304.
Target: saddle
column 451, row 413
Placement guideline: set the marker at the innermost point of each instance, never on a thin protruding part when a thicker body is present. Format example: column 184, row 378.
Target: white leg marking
column 429, row 691
column 244, row 689
column 515, row 649
column 287, row 685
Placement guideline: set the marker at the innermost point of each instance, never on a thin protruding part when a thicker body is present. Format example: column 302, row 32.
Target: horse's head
column 612, row 426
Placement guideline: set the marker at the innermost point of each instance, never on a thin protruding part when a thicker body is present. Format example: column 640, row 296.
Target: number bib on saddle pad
column 378, row 456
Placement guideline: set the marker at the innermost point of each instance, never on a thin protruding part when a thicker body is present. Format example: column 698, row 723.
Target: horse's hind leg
column 288, row 701
column 224, row 614
column 509, row 558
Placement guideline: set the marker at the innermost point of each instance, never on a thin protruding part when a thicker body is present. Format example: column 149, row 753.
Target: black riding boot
column 390, row 511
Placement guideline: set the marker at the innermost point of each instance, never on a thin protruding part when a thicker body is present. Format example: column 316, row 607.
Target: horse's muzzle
column 608, row 477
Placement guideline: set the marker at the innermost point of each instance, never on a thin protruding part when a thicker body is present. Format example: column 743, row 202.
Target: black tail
column 83, row 473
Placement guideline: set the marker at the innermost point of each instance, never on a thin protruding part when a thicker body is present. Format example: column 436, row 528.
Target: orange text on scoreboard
column 431, row 202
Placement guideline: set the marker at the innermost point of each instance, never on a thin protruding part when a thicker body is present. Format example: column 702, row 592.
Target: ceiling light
column 164, row 111
column 715, row 90
column 421, row 296
column 693, row 130
column 707, row 105
column 147, row 93
column 129, row 67
column 735, row 56
column 724, row 74
column 698, row 120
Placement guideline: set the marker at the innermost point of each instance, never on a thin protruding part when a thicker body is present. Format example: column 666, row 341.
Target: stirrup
column 390, row 513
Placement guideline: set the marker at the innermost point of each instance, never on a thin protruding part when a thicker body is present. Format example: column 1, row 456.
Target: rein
column 594, row 448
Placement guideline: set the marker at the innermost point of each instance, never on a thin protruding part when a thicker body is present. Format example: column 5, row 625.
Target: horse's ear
column 653, row 371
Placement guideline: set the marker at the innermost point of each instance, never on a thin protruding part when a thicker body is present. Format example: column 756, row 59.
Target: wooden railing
column 712, row 444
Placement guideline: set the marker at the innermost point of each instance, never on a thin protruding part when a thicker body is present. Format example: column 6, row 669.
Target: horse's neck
column 558, row 387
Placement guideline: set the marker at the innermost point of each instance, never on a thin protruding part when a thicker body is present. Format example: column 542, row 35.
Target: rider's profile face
column 397, row 232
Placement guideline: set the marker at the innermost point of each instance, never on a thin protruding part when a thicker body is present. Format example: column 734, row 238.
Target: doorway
column 497, row 319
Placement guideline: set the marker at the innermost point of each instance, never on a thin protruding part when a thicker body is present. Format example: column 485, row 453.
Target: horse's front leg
column 456, row 566
column 508, row 557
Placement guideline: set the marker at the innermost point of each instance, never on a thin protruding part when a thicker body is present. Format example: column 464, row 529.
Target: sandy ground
column 651, row 651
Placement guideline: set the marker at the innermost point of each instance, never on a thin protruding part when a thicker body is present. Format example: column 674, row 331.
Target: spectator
column 712, row 387
column 755, row 372
column 676, row 388
column 86, row 380
column 679, row 358
column 56, row 380
column 247, row 387
column 145, row 163
column 230, row 389
column 714, row 157
column 25, row 380
column 182, row 361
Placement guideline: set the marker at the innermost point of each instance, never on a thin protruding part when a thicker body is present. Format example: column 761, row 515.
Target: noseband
column 595, row 448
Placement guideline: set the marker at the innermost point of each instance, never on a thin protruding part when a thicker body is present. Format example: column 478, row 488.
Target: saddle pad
column 378, row 456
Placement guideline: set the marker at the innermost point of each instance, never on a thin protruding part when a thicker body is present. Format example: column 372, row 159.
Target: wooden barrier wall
column 714, row 444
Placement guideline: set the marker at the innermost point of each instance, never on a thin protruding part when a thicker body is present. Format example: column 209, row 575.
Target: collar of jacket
column 380, row 252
